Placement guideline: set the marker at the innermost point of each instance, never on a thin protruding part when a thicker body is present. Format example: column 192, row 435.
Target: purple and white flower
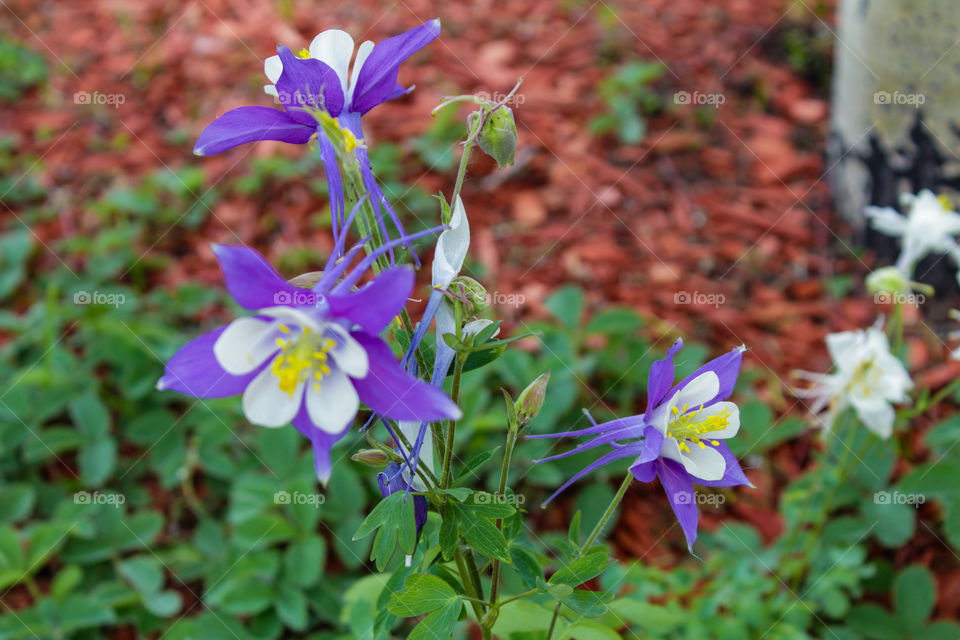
column 321, row 78
column 307, row 357
column 679, row 438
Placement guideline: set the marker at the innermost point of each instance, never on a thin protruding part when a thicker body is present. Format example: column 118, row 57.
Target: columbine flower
column 320, row 78
column 929, row 227
column 679, row 438
column 309, row 357
column 868, row 377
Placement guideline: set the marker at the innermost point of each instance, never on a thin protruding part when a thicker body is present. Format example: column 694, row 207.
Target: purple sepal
column 678, row 485
column 374, row 305
column 377, row 81
column 392, row 392
column 251, row 281
column 194, row 370
column 251, row 124
column 307, row 83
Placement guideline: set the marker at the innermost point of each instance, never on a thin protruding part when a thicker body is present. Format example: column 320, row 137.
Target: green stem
column 597, row 530
column 452, row 429
column 504, row 472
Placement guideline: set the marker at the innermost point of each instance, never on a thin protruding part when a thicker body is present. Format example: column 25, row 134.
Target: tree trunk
column 896, row 108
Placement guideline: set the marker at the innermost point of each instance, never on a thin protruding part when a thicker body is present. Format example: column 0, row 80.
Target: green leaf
column 895, row 522
column 527, row 566
column 439, row 624
column 449, row 533
column 874, row 622
column 291, row 607
column 97, row 461
column 457, row 493
column 582, row 569
column 304, row 560
column 566, row 305
column 66, row 581
column 932, row 478
column 394, row 521
column 142, row 573
column 246, row 597
column 914, row 595
column 89, row 415
column 939, row 631
column 483, row 536
column 164, row 604
column 585, row 630
column 588, row 603
column 421, row 593
column 16, row 502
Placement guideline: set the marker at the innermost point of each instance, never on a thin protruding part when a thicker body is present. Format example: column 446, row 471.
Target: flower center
column 301, row 358
column 865, row 376
column 687, row 426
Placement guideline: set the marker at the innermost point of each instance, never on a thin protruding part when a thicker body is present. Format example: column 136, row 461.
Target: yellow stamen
column 303, row 53
column 301, row 358
column 687, row 426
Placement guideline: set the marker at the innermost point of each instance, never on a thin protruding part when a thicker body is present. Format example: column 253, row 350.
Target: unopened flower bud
column 498, row 137
column 530, row 400
column 471, row 293
column 892, row 280
column 306, row 280
column 375, row 458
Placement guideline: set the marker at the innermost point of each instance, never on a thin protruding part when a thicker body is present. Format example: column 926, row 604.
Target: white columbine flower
column 929, row 227
column 868, row 377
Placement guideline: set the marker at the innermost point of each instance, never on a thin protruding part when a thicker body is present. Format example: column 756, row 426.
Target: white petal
column 845, row 348
column 266, row 405
column 887, row 220
column 452, row 247
column 733, row 420
column 270, row 90
column 671, row 449
column 332, row 407
column 334, row 48
column 875, row 413
column 476, row 326
column 698, row 391
column 244, row 345
column 349, row 355
column 706, row 463
column 273, row 67
column 363, row 51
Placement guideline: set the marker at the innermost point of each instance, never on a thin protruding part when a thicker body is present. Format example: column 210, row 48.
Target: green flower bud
column 888, row 280
column 471, row 293
column 530, row 400
column 891, row 280
column 375, row 458
column 498, row 137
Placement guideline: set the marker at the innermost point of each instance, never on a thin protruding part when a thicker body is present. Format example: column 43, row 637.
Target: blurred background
column 672, row 178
